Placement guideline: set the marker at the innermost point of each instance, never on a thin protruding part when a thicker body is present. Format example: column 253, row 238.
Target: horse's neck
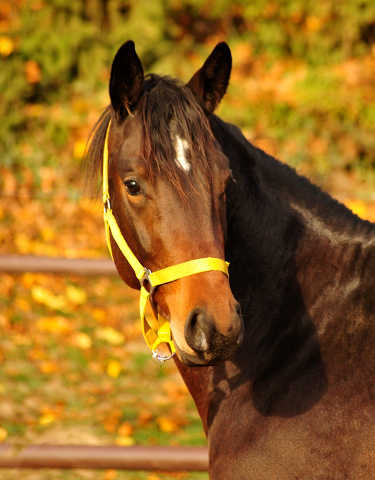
column 292, row 246
column 293, row 262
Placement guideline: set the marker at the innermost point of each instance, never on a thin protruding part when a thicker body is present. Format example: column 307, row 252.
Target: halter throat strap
column 147, row 278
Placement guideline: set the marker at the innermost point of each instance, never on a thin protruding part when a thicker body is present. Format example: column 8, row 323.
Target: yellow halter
column 166, row 275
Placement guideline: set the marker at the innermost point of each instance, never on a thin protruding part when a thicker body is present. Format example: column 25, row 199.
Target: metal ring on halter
column 160, row 358
column 107, row 205
column 146, row 278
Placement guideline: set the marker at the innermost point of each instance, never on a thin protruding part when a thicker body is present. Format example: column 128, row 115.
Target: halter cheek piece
column 163, row 333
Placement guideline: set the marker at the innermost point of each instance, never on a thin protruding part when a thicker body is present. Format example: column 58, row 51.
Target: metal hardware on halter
column 146, row 278
column 160, row 358
column 107, row 205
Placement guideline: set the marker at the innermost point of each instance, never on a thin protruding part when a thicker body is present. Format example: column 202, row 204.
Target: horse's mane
column 284, row 182
column 166, row 108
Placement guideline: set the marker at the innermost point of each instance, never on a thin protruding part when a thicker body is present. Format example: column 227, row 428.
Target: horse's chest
column 332, row 441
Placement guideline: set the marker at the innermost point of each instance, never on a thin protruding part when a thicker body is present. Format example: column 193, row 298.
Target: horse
column 279, row 357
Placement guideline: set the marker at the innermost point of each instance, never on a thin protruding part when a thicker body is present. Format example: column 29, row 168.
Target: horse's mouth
column 217, row 355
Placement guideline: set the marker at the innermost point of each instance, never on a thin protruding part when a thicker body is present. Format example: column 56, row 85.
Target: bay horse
column 280, row 357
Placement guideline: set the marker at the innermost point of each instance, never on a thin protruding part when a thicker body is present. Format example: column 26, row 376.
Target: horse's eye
column 132, row 187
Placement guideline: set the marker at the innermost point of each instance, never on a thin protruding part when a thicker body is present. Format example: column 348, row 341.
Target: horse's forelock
column 168, row 111
column 171, row 114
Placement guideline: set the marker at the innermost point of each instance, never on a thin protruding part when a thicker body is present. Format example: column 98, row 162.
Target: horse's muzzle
column 211, row 342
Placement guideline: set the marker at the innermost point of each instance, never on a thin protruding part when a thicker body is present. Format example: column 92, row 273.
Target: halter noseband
column 170, row 274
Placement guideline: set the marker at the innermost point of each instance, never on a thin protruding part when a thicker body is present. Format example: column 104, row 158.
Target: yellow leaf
column 46, row 297
column 47, row 417
column 358, row 207
column 48, row 234
column 53, row 324
column 75, row 295
column 124, row 441
column 82, row 340
column 79, row 148
column 23, row 243
column 6, row 46
column 110, row 335
column 114, row 368
column 3, row 434
column 167, row 425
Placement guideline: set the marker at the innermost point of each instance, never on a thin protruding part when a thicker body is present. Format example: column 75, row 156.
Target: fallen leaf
column 82, row 340
column 110, row 335
column 167, row 424
column 47, row 367
column 152, row 476
column 125, row 429
column 3, row 434
column 124, row 441
column 144, row 417
column 112, row 421
column 79, row 148
column 47, row 417
column 6, row 46
column 54, row 324
column 46, row 297
column 114, row 368
column 110, row 474
column 75, row 295
column 33, row 72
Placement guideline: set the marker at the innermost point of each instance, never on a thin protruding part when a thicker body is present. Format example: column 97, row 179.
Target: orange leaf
column 3, row 434
column 33, row 72
column 125, row 429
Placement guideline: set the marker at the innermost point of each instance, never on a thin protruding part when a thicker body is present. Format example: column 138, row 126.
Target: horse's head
column 167, row 181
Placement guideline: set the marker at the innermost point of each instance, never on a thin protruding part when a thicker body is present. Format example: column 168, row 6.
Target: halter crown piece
column 163, row 333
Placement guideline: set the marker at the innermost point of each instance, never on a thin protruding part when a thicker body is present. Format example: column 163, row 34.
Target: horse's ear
column 210, row 83
column 126, row 81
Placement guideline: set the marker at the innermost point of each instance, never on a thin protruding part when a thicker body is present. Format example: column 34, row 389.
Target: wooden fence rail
column 106, row 457
column 64, row 266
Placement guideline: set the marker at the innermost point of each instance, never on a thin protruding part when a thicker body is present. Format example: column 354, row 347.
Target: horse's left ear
column 126, row 81
column 210, row 83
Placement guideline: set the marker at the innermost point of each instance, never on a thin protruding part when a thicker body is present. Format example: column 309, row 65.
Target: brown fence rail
column 106, row 457
column 64, row 266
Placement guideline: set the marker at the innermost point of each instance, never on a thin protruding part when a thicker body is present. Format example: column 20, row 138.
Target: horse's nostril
column 198, row 331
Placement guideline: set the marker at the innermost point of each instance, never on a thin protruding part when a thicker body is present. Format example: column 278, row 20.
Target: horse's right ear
column 210, row 83
column 126, row 81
